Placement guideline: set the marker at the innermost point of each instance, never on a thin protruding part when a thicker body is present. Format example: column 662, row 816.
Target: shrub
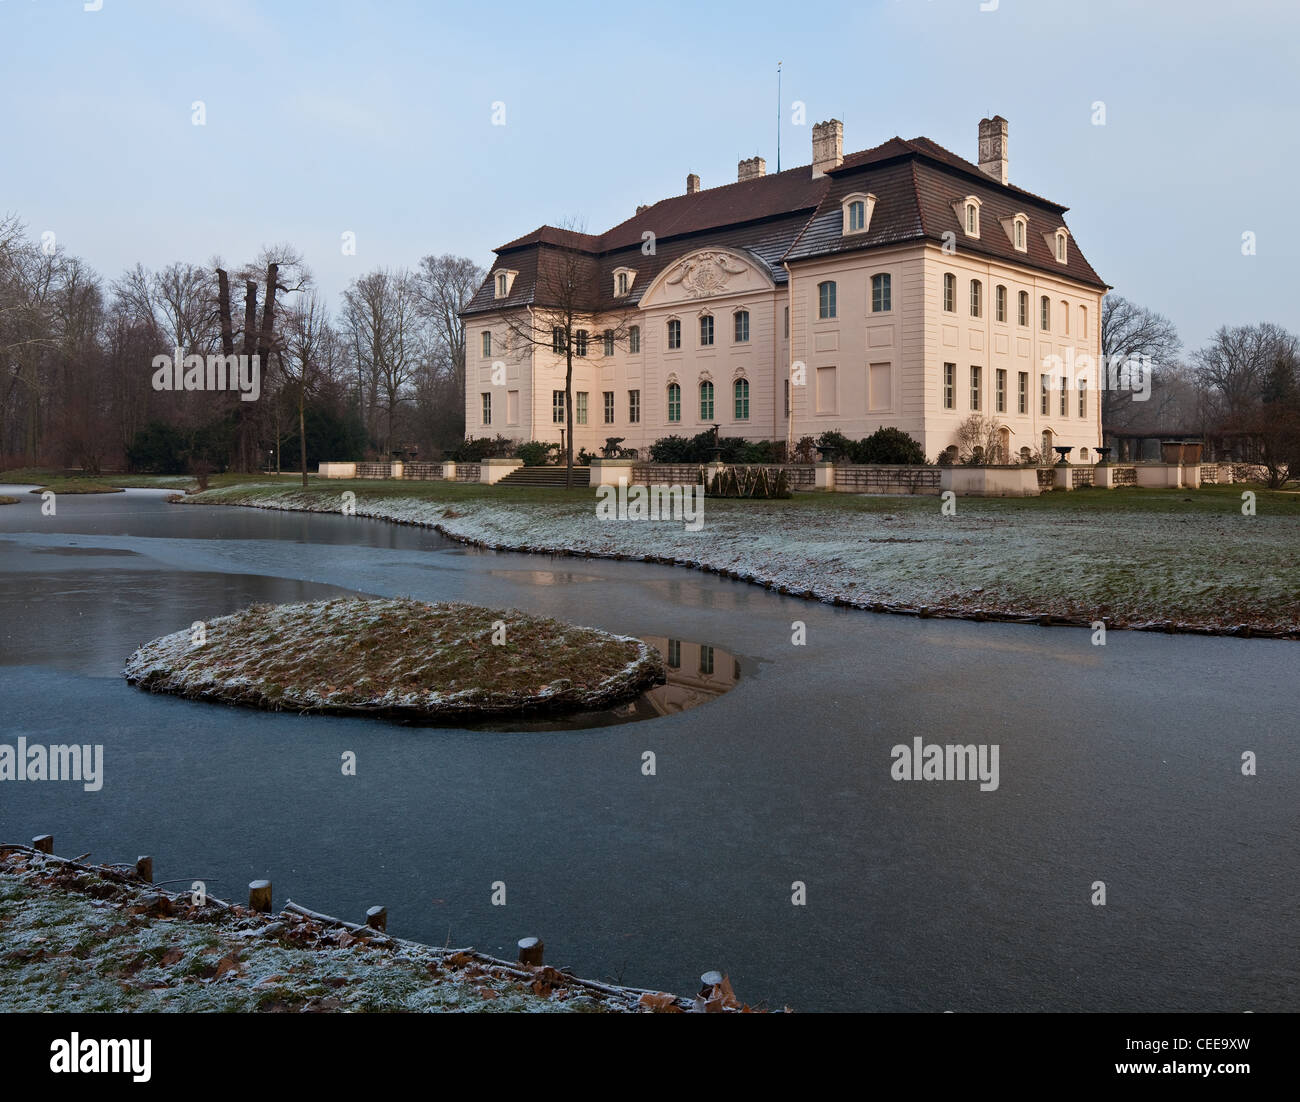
column 889, row 445
column 672, row 449
column 835, row 445
column 536, row 453
column 474, row 449
column 948, row 456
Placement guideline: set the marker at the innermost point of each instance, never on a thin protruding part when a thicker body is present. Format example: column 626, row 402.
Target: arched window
column 949, row 292
column 741, row 393
column 857, row 215
column 826, row 299
column 1083, row 322
column 502, row 284
column 674, row 334
column 609, row 342
column 1060, row 246
column 742, row 326
column 622, row 283
column 1000, row 303
column 674, row 402
column 1044, row 313
column 1020, row 226
column 706, row 401
column 976, row 298
column 972, row 220
column 881, row 293
column 1065, row 317
column 634, row 339
column 1024, row 308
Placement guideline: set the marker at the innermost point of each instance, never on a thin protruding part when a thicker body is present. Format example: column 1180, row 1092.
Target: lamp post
column 717, row 444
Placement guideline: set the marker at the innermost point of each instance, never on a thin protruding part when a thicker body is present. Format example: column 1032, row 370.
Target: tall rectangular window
column 706, row 401
column 976, row 386
column 557, row 407
column 1000, row 303
column 1000, row 383
column 976, row 298
column 674, row 402
column 634, row 340
column 487, row 342
column 1022, row 393
column 1083, row 397
column 609, row 342
column 674, row 334
column 949, row 386
column 740, row 392
column 487, row 408
column 1044, row 313
column 742, row 326
column 1024, row 308
column 1045, row 394
column 609, row 407
column 949, row 293
column 826, row 299
column 1065, row 400
column 633, row 407
column 580, row 342
column 787, row 323
column 557, row 339
column 580, row 407
column 880, row 293
column 706, row 330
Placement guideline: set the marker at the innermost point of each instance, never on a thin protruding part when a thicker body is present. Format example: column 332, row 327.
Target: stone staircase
column 544, row 476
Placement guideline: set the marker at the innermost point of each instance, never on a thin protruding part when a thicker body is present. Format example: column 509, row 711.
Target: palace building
column 900, row 286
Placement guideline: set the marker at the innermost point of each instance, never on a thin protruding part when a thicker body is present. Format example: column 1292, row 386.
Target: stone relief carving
column 705, row 274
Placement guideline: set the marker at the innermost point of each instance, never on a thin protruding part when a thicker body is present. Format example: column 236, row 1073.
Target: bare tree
column 303, row 356
column 383, row 326
column 444, row 285
column 1130, row 331
column 566, row 313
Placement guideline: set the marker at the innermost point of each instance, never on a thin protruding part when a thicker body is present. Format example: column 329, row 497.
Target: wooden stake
column 259, row 896
column 377, row 918
column 44, row 843
column 530, row 950
column 144, row 869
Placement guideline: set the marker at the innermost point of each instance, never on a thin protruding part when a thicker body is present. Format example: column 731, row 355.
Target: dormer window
column 504, row 281
column 856, row 210
column 968, row 214
column 1018, row 230
column 623, row 280
column 1061, row 255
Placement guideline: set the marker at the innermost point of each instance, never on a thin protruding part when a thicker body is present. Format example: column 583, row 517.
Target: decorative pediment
column 708, row 273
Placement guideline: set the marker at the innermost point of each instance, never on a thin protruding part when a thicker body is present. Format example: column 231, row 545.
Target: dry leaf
column 228, row 963
column 660, row 1003
column 171, row 957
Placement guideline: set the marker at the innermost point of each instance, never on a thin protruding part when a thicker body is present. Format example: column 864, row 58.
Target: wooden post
column 708, row 982
column 377, row 918
column 144, row 869
column 530, row 950
column 259, row 896
column 44, row 843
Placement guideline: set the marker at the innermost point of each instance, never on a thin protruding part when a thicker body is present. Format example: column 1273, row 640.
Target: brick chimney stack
column 993, row 148
column 692, row 184
column 828, row 146
column 751, row 169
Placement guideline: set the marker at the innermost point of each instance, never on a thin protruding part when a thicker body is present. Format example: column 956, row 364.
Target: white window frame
column 868, row 202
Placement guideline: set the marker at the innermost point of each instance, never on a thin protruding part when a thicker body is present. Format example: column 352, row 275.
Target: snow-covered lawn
column 396, row 657
column 74, row 939
column 1189, row 561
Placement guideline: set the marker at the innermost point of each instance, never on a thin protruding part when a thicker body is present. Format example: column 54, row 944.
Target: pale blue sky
column 376, row 118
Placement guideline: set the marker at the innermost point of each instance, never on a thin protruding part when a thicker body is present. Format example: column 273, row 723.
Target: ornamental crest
column 705, row 274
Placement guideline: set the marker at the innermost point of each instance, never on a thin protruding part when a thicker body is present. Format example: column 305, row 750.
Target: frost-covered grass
column 1187, row 558
column 77, row 486
column 72, row 940
column 397, row 656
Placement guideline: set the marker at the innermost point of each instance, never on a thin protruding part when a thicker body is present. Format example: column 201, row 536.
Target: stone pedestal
column 492, row 471
column 609, row 472
column 823, row 476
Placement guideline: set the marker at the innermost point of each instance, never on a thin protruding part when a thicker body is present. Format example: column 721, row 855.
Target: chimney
column 642, row 206
column 993, row 148
column 692, row 184
column 828, row 146
column 751, row 169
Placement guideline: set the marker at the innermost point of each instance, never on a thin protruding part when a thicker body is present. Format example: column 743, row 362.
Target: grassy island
column 398, row 658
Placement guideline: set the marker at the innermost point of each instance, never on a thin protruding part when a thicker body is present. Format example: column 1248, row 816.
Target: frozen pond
column 1119, row 764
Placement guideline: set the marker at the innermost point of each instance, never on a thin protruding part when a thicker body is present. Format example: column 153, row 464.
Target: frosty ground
column 1183, row 560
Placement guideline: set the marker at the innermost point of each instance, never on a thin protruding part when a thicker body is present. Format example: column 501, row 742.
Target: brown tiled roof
column 790, row 216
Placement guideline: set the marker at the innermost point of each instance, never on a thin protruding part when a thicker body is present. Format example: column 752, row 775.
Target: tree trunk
column 568, row 416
